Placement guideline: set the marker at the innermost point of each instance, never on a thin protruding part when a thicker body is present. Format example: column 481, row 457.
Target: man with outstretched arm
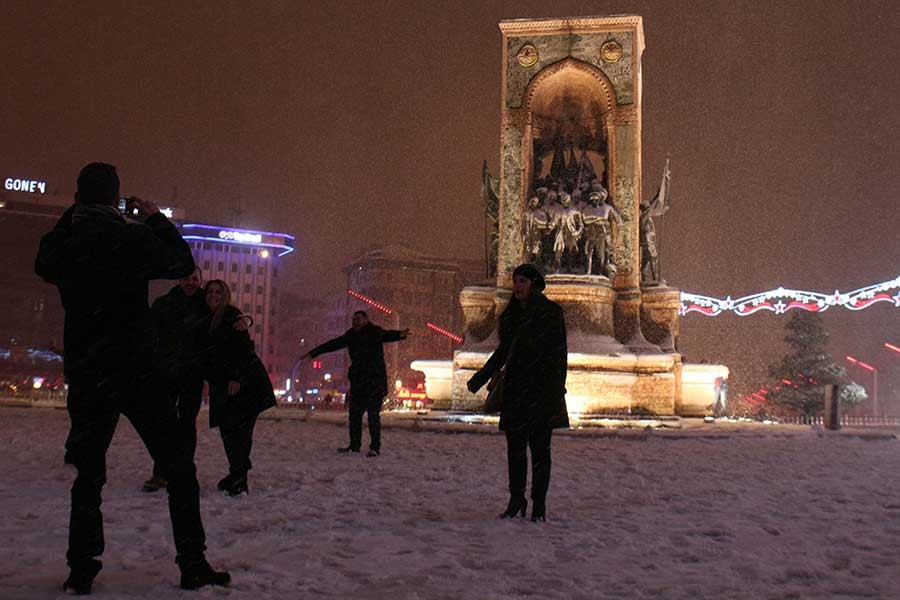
column 368, row 375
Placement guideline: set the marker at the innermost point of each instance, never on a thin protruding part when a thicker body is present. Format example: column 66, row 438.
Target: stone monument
column 569, row 200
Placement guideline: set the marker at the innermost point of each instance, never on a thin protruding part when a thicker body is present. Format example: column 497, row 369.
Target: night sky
column 349, row 124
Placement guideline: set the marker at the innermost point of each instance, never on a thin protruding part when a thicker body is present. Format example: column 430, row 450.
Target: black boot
column 517, row 506
column 224, row 483
column 538, row 510
column 81, row 578
column 155, row 484
column 347, row 449
column 237, row 486
column 201, row 574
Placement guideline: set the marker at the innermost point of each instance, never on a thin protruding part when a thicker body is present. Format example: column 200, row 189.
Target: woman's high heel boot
column 538, row 511
column 517, row 506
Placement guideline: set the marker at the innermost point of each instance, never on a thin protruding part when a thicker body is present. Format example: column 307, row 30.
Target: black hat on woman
column 529, row 271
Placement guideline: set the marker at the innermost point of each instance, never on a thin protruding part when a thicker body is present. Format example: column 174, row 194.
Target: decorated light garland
column 782, row 300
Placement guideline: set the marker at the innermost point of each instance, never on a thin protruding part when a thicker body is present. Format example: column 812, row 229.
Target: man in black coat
column 368, row 375
column 101, row 265
column 178, row 317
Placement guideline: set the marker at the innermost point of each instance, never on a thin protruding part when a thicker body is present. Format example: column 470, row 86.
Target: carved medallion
column 611, row 52
column 527, row 55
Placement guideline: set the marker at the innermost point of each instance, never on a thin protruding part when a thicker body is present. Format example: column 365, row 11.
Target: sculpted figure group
column 566, row 235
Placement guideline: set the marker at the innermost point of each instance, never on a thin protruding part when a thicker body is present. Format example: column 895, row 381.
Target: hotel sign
column 244, row 237
column 280, row 242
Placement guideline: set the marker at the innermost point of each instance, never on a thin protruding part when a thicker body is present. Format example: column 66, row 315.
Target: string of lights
column 387, row 310
column 781, row 300
column 370, row 302
column 444, row 332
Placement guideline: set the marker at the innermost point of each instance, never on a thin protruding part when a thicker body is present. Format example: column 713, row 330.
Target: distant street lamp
column 874, row 373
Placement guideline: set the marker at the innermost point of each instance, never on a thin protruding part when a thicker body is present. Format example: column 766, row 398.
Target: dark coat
column 368, row 375
column 101, row 265
column 535, row 388
column 179, row 319
column 228, row 355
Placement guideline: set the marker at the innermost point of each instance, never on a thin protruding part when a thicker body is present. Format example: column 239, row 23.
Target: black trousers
column 518, row 439
column 94, row 407
column 184, row 396
column 370, row 405
column 238, row 441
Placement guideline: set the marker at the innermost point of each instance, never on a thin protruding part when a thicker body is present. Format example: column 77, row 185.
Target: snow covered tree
column 808, row 367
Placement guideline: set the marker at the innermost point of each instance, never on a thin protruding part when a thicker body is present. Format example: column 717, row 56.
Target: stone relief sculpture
column 568, row 220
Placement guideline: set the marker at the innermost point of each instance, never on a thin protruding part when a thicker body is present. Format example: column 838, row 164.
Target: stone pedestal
column 659, row 316
column 637, row 384
column 479, row 314
column 587, row 303
column 438, row 380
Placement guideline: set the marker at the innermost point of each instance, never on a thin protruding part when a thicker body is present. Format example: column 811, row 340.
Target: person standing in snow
column 178, row 317
column 368, row 375
column 534, row 353
column 102, row 265
column 239, row 385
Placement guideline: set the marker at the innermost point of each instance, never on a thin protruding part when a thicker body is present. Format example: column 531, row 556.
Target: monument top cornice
column 555, row 25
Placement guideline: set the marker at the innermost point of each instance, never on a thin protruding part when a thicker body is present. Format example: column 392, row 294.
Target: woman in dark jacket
column 239, row 386
column 533, row 348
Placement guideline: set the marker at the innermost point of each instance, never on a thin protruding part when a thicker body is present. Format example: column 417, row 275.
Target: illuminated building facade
column 249, row 262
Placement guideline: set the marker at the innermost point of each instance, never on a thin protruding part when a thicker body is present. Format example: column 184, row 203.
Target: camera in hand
column 127, row 207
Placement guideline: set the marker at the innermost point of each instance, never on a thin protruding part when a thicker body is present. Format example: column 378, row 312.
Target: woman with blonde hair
column 239, row 386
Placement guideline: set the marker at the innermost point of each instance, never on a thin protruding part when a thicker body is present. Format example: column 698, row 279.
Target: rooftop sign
column 24, row 185
column 281, row 242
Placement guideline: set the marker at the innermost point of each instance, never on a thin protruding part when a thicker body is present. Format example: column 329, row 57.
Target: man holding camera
column 102, row 264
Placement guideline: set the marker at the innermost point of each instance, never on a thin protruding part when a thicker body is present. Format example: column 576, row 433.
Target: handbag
column 493, row 404
column 494, row 401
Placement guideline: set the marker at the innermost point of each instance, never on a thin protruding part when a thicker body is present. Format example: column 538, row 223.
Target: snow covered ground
column 803, row 515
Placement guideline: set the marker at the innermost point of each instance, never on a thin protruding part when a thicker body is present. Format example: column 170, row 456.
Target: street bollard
column 832, row 407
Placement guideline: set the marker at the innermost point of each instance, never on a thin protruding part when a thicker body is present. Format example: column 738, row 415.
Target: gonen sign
column 25, row 185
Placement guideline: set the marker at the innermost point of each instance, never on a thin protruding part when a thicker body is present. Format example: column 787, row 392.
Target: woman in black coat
column 533, row 348
column 239, row 386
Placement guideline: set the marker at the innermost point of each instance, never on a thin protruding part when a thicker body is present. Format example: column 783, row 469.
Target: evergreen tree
column 808, row 367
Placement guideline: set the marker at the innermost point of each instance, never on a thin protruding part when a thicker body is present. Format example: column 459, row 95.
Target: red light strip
column 892, row 347
column 370, row 302
column 443, row 331
column 865, row 366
